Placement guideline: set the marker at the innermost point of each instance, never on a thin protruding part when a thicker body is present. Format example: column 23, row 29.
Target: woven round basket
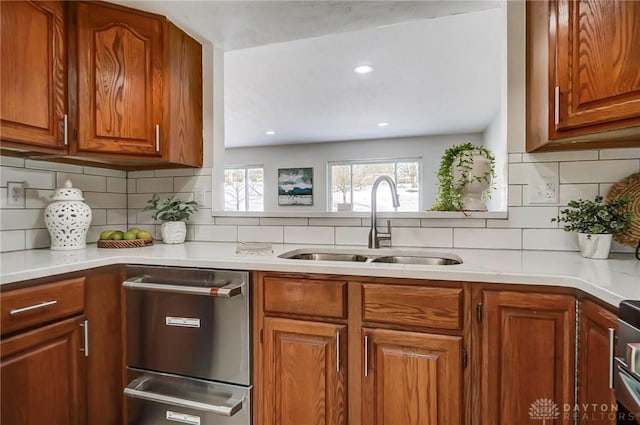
column 136, row 243
column 629, row 187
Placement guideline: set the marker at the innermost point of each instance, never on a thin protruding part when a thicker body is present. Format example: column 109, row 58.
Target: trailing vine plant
column 449, row 191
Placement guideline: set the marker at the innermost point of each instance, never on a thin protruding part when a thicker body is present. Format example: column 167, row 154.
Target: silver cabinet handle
column 65, row 134
column 157, row 137
column 32, row 307
column 612, row 341
column 337, row 351
column 136, row 389
column 366, row 355
column 85, row 330
column 557, row 105
column 226, row 291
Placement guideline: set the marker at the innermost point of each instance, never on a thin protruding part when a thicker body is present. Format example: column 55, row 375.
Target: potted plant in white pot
column 596, row 222
column 464, row 178
column 174, row 213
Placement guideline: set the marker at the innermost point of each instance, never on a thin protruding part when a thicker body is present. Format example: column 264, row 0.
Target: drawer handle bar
column 32, row 307
column 612, row 340
column 227, row 291
column 136, row 389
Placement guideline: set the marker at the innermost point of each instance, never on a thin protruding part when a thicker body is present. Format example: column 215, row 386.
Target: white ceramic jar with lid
column 68, row 218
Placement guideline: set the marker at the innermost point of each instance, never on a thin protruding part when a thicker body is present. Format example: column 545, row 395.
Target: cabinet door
column 411, row 378
column 120, row 73
column 41, row 376
column 304, row 373
column 597, row 62
column 33, row 78
column 528, row 358
column 594, row 365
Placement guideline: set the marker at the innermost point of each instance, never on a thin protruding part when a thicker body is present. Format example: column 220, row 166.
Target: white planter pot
column 595, row 246
column 473, row 188
column 173, row 231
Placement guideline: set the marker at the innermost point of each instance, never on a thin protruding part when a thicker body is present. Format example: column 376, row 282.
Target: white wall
column 317, row 155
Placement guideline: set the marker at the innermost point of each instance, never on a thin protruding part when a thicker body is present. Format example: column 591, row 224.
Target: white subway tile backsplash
column 561, row 156
column 84, row 182
column 487, row 238
column 12, row 240
column 273, row 234
column 526, row 173
column 33, row 179
column 202, row 216
column 569, row 192
column 622, row 153
column 453, row 222
column 154, row 185
column 215, row 233
column 37, row 238
column 515, row 195
column 98, row 217
column 604, row 188
column 422, row 237
column 526, row 217
column 188, row 184
column 11, row 161
column 609, row 171
column 131, row 186
column 140, row 174
column 549, row 239
column 284, row 221
column 143, row 217
column 238, row 221
column 309, row 235
column 174, row 172
column 22, row 219
column 515, row 157
column 105, row 172
column 205, row 171
column 352, row 235
column 38, row 198
column 53, row 166
column 105, row 200
column 117, row 216
column 117, row 184
column 337, row 222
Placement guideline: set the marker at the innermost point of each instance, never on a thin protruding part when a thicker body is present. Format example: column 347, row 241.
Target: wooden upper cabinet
column 583, row 84
column 33, row 80
column 120, row 81
column 528, row 357
column 411, row 378
column 594, row 364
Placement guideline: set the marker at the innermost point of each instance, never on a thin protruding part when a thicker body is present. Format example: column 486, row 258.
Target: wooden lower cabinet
column 528, row 358
column 411, row 378
column 43, row 376
column 304, row 373
column 594, row 365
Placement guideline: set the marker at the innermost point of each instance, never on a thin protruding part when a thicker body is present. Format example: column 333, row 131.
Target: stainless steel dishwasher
column 188, row 346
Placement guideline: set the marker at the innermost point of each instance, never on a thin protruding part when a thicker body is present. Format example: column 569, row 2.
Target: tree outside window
column 244, row 189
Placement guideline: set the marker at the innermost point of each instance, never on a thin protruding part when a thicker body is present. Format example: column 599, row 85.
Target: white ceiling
column 289, row 66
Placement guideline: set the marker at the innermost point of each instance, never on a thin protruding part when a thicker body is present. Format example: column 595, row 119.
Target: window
column 244, row 188
column 351, row 184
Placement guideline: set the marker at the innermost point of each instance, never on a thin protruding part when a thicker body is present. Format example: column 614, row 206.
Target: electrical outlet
column 15, row 194
column 544, row 191
column 199, row 195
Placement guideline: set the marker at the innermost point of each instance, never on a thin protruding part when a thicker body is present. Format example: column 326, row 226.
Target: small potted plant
column 595, row 221
column 174, row 213
column 464, row 178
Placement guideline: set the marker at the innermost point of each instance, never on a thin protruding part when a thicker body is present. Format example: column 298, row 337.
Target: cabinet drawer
column 28, row 307
column 413, row 305
column 307, row 297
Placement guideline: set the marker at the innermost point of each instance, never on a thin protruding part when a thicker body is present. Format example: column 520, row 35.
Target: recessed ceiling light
column 383, row 124
column 363, row 69
column 269, row 132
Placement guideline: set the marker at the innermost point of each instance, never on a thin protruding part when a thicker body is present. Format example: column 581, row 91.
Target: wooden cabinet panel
column 41, row 376
column 120, row 74
column 41, row 304
column 33, row 78
column 309, row 297
column 411, row 378
column 594, row 363
column 528, row 356
column 413, row 305
column 304, row 373
column 598, row 61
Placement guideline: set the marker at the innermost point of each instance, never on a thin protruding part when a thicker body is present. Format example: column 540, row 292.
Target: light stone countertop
column 610, row 280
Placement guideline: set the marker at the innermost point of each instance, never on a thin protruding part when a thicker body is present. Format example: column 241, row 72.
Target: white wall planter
column 596, row 246
column 173, row 231
column 474, row 185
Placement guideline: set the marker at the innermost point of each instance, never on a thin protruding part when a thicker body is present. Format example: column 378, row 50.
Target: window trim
column 246, row 169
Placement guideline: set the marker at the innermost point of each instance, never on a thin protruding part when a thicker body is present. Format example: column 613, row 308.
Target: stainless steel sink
column 387, row 256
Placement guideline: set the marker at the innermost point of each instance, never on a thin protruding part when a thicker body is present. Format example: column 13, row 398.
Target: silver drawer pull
column 183, row 322
column 182, row 418
column 227, row 291
column 32, row 307
column 136, row 389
